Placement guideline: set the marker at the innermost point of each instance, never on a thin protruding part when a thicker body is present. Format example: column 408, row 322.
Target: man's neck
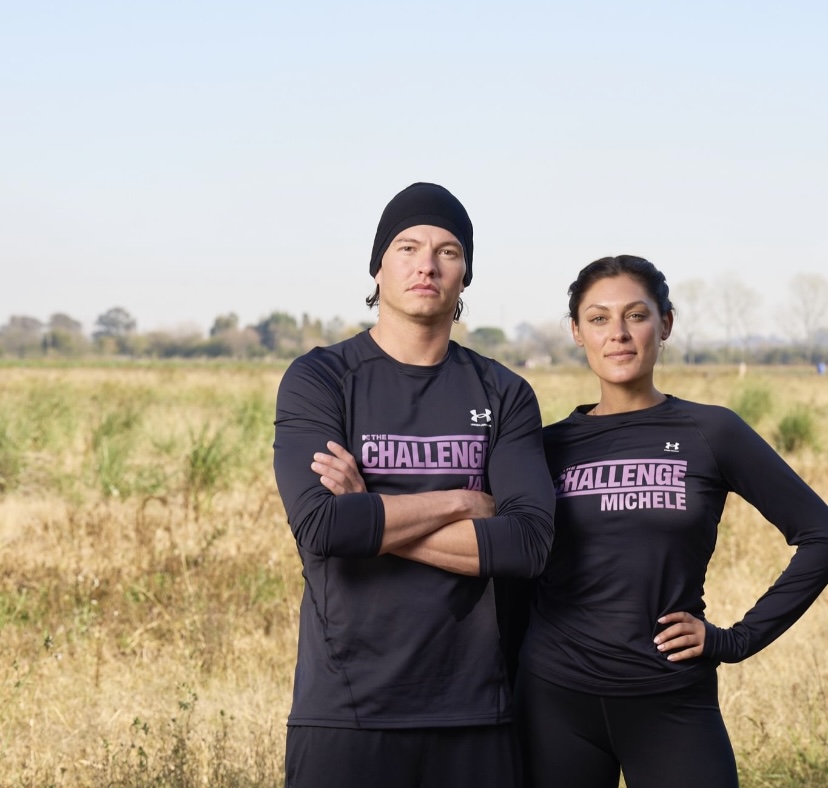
column 408, row 342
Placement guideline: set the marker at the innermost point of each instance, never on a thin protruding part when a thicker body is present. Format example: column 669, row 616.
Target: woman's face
column 620, row 328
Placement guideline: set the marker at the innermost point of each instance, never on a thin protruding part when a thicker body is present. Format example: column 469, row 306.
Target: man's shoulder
column 502, row 382
column 343, row 354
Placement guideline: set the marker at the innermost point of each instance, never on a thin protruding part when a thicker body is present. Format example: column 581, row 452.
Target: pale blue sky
column 186, row 159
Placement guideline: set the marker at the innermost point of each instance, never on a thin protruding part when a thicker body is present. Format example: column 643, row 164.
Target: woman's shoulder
column 706, row 413
column 707, row 418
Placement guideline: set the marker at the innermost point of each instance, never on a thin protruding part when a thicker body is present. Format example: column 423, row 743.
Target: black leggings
column 574, row 740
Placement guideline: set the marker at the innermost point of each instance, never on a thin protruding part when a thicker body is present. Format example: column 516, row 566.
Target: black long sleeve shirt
column 640, row 496
column 385, row 642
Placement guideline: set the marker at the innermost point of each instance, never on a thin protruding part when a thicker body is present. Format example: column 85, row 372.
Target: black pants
column 483, row 756
column 574, row 740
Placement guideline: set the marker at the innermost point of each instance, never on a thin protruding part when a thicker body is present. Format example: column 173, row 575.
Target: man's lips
column 423, row 288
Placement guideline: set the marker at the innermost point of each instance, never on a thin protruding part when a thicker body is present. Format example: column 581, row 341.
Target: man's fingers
column 341, row 453
column 332, row 485
column 340, row 471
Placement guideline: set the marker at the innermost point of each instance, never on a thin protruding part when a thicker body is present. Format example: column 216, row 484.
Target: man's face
column 421, row 276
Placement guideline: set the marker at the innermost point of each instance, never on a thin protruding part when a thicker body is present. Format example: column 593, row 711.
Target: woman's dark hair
column 643, row 270
column 373, row 300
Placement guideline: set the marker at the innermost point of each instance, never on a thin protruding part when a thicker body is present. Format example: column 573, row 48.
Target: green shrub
column 113, row 442
column 752, row 403
column 11, row 459
column 207, row 466
column 51, row 417
column 796, row 430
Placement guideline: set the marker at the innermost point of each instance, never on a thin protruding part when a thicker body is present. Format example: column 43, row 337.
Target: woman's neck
column 625, row 402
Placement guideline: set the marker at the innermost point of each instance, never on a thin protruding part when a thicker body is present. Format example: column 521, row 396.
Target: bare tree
column 691, row 299
column 64, row 335
column 809, row 308
column 22, row 335
column 60, row 321
column 737, row 303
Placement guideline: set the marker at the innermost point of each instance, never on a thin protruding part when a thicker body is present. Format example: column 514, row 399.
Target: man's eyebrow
column 406, row 240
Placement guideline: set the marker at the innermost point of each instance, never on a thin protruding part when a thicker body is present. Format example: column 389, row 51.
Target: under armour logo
column 485, row 416
column 674, row 447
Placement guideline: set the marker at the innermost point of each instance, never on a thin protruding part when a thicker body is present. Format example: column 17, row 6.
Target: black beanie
column 423, row 203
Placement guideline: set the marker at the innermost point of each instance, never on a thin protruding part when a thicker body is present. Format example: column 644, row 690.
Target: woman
column 617, row 670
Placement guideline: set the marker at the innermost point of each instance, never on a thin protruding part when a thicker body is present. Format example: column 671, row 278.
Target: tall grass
column 752, row 402
column 797, row 430
column 111, row 445
column 11, row 456
column 149, row 584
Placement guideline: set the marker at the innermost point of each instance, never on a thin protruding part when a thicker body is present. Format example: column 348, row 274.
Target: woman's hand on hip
column 683, row 636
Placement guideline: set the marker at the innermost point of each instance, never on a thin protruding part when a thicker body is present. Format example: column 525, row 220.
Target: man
column 400, row 681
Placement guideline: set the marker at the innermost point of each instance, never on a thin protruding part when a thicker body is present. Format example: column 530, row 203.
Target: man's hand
column 686, row 633
column 338, row 470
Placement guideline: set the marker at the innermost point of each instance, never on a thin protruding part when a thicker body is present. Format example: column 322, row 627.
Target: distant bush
column 796, row 430
column 752, row 403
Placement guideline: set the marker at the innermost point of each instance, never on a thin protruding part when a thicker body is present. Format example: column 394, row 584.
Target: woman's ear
column 666, row 326
column 576, row 334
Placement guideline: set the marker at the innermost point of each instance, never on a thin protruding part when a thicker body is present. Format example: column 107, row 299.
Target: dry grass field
column 149, row 584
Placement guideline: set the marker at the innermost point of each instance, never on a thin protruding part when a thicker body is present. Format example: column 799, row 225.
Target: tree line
column 115, row 333
column 720, row 322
